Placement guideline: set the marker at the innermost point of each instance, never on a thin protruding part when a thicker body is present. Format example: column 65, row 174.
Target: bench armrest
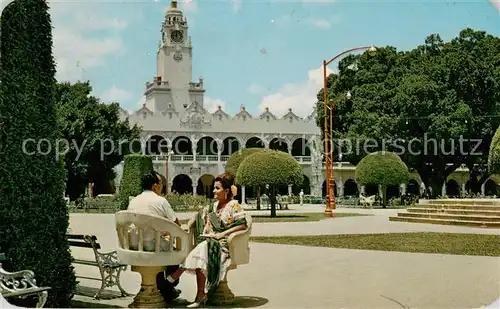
column 239, row 250
column 21, row 283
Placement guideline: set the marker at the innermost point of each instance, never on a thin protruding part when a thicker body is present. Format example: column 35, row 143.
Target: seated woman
column 210, row 258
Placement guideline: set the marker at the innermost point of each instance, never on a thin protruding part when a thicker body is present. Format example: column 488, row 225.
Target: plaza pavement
column 285, row 276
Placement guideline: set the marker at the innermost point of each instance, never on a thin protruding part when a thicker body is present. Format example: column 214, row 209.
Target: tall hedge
column 494, row 155
column 382, row 168
column 33, row 214
column 134, row 166
column 269, row 167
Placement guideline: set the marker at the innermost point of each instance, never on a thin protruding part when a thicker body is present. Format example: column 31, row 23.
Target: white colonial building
column 190, row 144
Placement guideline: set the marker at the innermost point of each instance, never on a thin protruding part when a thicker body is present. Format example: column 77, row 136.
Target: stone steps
column 445, row 216
column 452, row 211
column 468, row 212
column 447, row 222
column 491, row 207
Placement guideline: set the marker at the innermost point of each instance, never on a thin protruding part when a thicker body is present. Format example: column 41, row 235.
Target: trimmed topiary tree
column 33, row 214
column 382, row 168
column 134, row 166
column 269, row 167
column 234, row 161
column 494, row 155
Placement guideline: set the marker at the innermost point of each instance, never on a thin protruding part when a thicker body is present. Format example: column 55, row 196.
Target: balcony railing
column 211, row 158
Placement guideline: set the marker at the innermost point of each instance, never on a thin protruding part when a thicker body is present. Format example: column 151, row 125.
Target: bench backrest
column 141, row 239
column 83, row 241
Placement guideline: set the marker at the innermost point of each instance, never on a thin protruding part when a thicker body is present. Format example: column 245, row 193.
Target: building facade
column 190, row 144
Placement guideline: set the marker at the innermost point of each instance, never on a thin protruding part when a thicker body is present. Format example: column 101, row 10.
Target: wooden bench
column 21, row 284
column 108, row 264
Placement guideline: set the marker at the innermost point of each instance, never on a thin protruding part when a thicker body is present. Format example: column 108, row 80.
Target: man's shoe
column 172, row 295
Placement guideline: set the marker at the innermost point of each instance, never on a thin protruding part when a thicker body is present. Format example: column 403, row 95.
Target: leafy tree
column 234, row 161
column 269, row 167
column 134, row 166
column 384, row 169
column 429, row 105
column 494, row 156
column 33, row 214
column 96, row 138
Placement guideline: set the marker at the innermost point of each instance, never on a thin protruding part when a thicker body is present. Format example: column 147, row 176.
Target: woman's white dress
column 198, row 257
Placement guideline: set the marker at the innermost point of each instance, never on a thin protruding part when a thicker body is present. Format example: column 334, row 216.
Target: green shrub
column 234, row 161
column 382, row 168
column 135, row 165
column 33, row 214
column 494, row 155
column 269, row 167
column 187, row 202
column 107, row 204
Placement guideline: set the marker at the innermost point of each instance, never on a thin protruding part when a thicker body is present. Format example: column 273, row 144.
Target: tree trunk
column 384, row 196
column 272, row 197
column 258, row 198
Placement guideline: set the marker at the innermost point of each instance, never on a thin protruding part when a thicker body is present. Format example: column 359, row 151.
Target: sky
column 257, row 53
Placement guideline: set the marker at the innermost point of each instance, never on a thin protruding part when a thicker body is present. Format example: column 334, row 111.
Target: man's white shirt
column 150, row 203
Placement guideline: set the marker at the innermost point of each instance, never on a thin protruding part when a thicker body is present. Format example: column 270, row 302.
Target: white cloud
column 211, row 105
column 115, row 94
column 76, row 47
column 189, row 6
column 299, row 97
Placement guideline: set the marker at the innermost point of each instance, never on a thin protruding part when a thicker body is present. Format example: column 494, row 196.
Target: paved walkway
column 282, row 276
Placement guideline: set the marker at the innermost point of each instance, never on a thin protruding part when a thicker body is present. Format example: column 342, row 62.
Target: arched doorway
column 278, row 144
column 392, row 191
column 205, row 185
column 182, row 145
column 351, row 188
column 300, row 147
column 371, row 189
column 182, row 184
column 254, row 142
column 156, row 145
column 452, row 188
column 323, row 189
column 413, row 187
column 490, row 188
column 230, row 145
column 306, row 186
column 207, row 146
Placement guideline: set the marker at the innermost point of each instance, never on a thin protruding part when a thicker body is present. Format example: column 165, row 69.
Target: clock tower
column 175, row 50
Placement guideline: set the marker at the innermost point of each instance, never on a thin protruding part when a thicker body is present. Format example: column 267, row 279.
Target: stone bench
column 239, row 252
column 149, row 244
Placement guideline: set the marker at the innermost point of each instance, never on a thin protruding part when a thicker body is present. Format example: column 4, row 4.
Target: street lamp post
column 167, row 157
column 328, row 133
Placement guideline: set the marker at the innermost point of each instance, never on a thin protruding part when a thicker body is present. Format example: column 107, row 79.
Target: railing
column 210, row 158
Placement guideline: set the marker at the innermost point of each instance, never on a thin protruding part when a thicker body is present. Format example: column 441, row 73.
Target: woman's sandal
column 199, row 302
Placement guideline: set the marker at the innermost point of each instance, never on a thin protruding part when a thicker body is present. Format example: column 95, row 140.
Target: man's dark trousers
column 167, row 289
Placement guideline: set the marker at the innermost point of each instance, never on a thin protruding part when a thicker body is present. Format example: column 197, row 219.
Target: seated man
column 150, row 202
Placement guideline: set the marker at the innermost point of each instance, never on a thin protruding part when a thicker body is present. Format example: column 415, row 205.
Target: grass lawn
column 422, row 242
column 295, row 217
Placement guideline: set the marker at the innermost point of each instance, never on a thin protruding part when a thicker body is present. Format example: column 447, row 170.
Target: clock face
column 176, row 36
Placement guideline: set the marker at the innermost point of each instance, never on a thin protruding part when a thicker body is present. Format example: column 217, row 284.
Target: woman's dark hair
column 227, row 181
